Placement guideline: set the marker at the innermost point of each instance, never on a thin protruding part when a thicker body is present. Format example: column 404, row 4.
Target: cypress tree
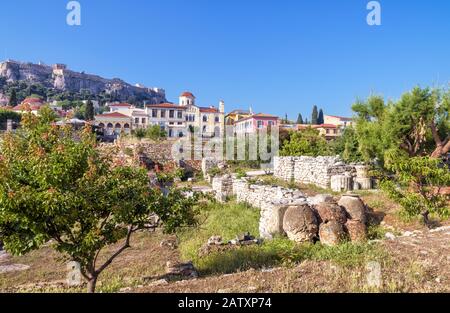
column 89, row 113
column 321, row 118
column 300, row 119
column 314, row 116
column 13, row 98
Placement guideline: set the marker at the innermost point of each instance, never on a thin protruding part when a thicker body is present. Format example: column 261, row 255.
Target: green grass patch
column 225, row 220
column 231, row 219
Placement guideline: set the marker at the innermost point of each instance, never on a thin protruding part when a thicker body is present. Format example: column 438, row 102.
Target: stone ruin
column 323, row 171
column 216, row 244
column 303, row 219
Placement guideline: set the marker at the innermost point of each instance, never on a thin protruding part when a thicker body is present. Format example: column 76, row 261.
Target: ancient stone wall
column 325, row 172
column 289, row 211
column 310, row 170
column 272, row 200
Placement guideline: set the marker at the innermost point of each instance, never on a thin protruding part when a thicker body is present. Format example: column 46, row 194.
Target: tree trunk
column 92, row 283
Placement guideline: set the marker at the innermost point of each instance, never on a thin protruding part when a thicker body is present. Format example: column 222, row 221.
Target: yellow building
column 236, row 115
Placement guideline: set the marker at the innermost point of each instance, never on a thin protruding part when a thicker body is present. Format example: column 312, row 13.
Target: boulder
column 181, row 270
column 329, row 211
column 331, row 233
column 300, row 223
column 271, row 221
column 320, row 199
column 356, row 230
column 354, row 207
column 215, row 240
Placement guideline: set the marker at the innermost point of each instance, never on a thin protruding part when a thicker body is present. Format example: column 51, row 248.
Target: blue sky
column 276, row 56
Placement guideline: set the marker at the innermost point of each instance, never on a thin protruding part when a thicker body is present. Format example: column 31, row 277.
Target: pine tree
column 300, row 119
column 314, row 116
column 89, row 113
column 13, row 98
column 321, row 119
column 286, row 121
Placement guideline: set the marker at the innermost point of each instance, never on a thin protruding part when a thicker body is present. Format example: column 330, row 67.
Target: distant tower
column 222, row 106
column 250, row 110
column 187, row 98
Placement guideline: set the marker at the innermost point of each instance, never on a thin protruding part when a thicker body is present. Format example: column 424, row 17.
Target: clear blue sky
column 277, row 56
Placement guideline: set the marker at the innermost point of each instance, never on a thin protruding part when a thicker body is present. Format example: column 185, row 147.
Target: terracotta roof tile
column 113, row 115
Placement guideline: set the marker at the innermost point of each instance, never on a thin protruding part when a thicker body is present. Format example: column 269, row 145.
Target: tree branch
column 125, row 246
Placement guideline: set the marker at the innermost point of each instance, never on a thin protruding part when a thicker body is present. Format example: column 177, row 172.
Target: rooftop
column 113, row 115
column 187, row 94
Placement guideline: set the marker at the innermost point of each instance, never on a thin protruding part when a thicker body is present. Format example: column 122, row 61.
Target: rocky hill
column 60, row 78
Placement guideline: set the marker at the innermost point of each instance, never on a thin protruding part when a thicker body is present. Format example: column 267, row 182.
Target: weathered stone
column 329, row 211
column 300, row 223
column 169, row 243
column 271, row 221
column 356, row 230
column 363, row 183
column 341, row 183
column 215, row 240
column 320, row 199
column 331, row 233
column 181, row 269
column 354, row 207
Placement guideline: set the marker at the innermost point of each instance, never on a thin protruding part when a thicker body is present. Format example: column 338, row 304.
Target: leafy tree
column 89, row 113
column 300, row 119
column 139, row 133
column 307, row 142
column 56, row 185
column 347, row 146
column 320, row 119
column 47, row 115
column 315, row 116
column 417, row 124
column 408, row 137
column 13, row 98
column 420, row 180
column 155, row 132
column 6, row 115
column 80, row 112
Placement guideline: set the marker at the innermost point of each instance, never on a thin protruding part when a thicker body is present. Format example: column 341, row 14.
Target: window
column 180, row 114
column 163, row 113
column 271, row 123
column 171, row 114
column 154, row 113
column 260, row 124
column 328, row 131
column 205, row 118
column 204, row 129
column 136, row 120
column 180, row 123
column 143, row 120
column 217, row 120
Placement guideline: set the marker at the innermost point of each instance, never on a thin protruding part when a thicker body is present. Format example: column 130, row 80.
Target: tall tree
column 57, row 187
column 300, row 119
column 320, row 119
column 314, row 116
column 286, row 120
column 89, row 113
column 13, row 98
